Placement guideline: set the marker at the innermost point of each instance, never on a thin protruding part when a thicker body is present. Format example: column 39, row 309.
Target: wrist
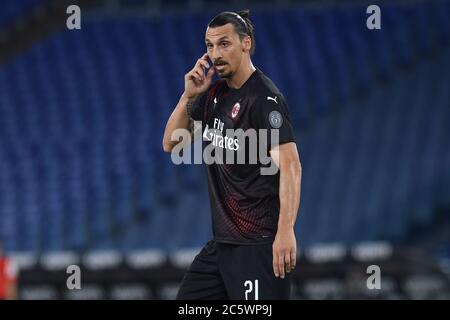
column 188, row 97
column 189, row 105
column 285, row 225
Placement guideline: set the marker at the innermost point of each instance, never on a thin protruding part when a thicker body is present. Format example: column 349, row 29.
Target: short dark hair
column 240, row 21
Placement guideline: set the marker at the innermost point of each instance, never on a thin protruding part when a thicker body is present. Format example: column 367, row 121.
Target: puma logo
column 274, row 99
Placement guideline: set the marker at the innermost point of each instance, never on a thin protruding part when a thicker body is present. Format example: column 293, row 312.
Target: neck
column 242, row 75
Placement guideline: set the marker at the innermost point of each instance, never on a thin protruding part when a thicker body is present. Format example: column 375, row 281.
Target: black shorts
column 237, row 272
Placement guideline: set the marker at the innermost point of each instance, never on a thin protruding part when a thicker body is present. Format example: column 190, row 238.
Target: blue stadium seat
column 82, row 116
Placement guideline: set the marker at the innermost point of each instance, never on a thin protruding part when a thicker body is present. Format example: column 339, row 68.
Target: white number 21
column 249, row 286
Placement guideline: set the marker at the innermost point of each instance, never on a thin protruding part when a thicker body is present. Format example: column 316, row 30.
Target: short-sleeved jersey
column 245, row 204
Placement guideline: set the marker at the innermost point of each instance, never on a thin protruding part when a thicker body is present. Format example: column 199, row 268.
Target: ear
column 247, row 44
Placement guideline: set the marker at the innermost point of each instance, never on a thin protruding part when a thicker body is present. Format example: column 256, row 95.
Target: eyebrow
column 220, row 39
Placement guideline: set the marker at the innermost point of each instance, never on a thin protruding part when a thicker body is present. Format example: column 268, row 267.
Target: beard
column 225, row 73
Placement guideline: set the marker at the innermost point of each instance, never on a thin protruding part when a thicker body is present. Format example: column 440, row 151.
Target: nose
column 216, row 54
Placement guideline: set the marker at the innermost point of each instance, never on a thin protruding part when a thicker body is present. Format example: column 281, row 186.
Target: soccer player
column 254, row 247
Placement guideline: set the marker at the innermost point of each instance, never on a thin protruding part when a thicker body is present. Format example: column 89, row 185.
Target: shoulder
column 267, row 91
column 270, row 107
column 265, row 85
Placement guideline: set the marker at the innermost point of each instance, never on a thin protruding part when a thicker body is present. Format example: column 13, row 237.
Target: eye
column 224, row 43
column 209, row 45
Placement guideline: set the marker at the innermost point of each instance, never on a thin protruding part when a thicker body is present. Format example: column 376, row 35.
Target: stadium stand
column 82, row 116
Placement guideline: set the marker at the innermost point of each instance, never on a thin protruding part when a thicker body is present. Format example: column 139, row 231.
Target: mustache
column 219, row 62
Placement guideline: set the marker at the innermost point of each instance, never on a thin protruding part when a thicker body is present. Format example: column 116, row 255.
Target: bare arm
column 177, row 120
column 285, row 244
column 195, row 83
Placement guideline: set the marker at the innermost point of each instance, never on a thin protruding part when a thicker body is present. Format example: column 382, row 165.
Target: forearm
column 285, row 245
column 179, row 119
column 290, row 189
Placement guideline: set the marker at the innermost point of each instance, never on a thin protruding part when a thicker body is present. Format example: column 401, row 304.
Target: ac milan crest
column 235, row 110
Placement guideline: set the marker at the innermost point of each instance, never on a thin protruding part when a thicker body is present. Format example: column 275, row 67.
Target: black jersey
column 245, row 204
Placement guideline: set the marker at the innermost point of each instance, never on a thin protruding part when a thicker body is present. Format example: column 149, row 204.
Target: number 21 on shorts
column 251, row 287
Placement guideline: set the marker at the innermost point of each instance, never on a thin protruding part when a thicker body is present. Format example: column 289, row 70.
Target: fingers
column 210, row 73
column 204, row 56
column 281, row 265
column 198, row 72
column 293, row 259
column 199, row 75
column 278, row 264
column 193, row 76
column 203, row 63
column 287, row 261
column 290, row 260
column 284, row 262
column 276, row 271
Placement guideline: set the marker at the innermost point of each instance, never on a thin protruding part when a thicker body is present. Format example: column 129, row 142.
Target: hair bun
column 244, row 14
